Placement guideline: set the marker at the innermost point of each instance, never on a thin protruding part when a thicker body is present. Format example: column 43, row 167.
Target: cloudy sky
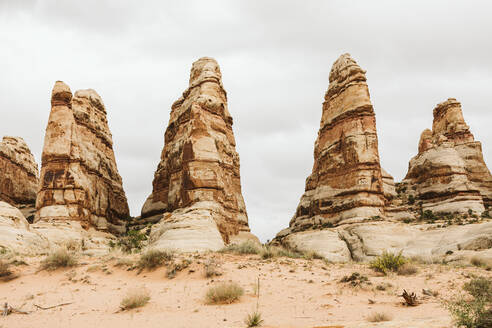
column 275, row 58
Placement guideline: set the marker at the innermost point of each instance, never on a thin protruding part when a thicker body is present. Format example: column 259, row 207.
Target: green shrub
column 224, row 293
column 60, row 258
column 132, row 241
column 475, row 309
column 154, row 258
column 254, row 319
column 135, row 298
column 388, row 262
column 411, row 199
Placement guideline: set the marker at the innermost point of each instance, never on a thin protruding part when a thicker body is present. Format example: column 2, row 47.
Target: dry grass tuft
column 135, row 298
column 224, row 293
column 153, row 259
column 253, row 320
column 246, row 247
column 407, row 269
column 379, row 317
column 211, row 269
column 60, row 258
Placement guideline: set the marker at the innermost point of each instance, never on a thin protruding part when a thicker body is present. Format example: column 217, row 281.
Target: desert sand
column 292, row 293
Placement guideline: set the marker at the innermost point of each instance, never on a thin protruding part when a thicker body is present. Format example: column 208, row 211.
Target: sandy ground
column 293, row 293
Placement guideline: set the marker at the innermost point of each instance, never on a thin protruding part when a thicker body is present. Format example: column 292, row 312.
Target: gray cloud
column 275, row 58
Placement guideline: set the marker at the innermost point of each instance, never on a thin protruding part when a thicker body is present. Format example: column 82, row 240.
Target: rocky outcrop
column 18, row 172
column 346, row 183
column 15, row 232
column 364, row 241
column 448, row 174
column 79, row 179
column 197, row 186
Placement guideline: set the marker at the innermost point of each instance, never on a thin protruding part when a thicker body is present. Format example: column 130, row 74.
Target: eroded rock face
column 79, row 178
column 18, row 172
column 448, row 174
column 199, row 168
column 346, row 182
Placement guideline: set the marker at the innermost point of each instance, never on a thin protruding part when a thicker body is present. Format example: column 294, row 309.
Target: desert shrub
column 378, row 317
column 407, row 269
column 388, row 262
column 355, row 279
column 211, row 269
column 253, row 319
column 224, row 293
column 135, row 298
column 475, row 309
column 485, row 214
column 60, row 258
column 132, row 241
column 411, row 199
column 428, row 216
column 176, row 267
column 284, row 252
column 246, row 247
column 153, row 258
column 481, row 263
column 4, row 269
column 312, row 255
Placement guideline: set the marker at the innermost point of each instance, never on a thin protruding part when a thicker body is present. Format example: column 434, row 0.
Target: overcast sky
column 275, row 58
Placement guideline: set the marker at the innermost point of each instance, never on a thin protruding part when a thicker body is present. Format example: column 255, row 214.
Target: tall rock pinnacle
column 79, row 178
column 449, row 174
column 197, row 184
column 346, row 181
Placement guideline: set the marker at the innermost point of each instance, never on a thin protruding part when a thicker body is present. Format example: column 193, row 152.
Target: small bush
column 312, row 255
column 224, row 293
column 356, row 279
column 407, row 269
column 411, row 199
column 475, row 309
column 132, row 241
column 246, row 247
column 154, row 258
column 379, row 317
column 174, row 268
column 211, row 269
column 254, row 319
column 388, row 262
column 60, row 258
column 135, row 298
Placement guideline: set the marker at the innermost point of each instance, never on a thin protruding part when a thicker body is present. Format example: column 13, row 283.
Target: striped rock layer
column 197, row 185
column 79, row 179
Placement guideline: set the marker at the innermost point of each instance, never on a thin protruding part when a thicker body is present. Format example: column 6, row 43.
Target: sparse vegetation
column 481, row 263
column 411, row 199
column 356, row 279
column 154, row 258
column 224, row 293
column 388, row 262
column 246, row 247
column 133, row 241
column 475, row 309
column 60, row 258
column 135, row 298
column 379, row 317
column 176, row 267
column 407, row 269
column 312, row 255
column 211, row 269
column 5, row 273
column 253, row 319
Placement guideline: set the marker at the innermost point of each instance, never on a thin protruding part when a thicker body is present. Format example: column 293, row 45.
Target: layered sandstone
column 346, row 182
column 79, row 179
column 448, row 174
column 18, row 172
column 197, row 186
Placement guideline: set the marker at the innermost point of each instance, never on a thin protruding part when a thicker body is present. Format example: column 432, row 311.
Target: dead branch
column 410, row 299
column 51, row 307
